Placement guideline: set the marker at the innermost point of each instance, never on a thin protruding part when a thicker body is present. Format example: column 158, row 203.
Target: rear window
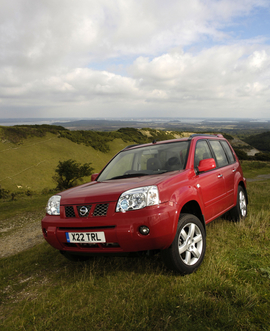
column 228, row 151
column 219, row 153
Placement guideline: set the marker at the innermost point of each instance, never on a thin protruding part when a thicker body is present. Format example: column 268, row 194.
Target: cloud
column 50, row 32
column 177, row 55
column 220, row 77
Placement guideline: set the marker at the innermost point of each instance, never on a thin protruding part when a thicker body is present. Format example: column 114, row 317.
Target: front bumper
column 121, row 229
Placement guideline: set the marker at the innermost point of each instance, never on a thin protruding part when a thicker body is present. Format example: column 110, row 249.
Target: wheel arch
column 193, row 207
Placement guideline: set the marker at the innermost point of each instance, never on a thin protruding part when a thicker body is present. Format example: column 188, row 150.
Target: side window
column 228, row 151
column 202, row 152
column 219, row 153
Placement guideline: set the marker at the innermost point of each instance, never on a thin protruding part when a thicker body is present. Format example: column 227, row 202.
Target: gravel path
column 258, row 178
column 19, row 233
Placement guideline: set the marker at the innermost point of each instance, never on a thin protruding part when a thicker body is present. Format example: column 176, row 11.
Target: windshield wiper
column 134, row 174
column 138, row 174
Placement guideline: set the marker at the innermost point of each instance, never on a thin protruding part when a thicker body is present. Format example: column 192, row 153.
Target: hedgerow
column 16, row 134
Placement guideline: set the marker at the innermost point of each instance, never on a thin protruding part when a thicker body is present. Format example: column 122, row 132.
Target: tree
column 69, row 172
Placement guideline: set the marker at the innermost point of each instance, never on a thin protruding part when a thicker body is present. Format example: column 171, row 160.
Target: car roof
column 155, row 142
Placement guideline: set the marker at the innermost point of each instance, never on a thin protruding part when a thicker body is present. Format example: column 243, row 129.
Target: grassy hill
column 31, row 164
column 29, row 155
column 260, row 141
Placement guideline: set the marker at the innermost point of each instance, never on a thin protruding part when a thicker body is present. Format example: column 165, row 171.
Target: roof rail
column 129, row 146
column 204, row 135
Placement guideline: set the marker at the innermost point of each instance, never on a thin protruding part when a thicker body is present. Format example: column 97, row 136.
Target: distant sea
column 39, row 121
column 32, row 121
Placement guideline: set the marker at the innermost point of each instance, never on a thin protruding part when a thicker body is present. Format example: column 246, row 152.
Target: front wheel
column 187, row 250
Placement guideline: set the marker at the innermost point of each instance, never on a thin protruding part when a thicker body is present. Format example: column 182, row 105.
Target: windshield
column 148, row 160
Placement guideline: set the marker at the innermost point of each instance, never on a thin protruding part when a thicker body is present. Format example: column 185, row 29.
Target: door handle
column 234, row 170
column 220, row 176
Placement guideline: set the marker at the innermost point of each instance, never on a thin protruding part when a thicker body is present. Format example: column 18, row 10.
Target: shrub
column 227, row 136
column 69, row 172
column 241, row 154
column 3, row 193
column 262, row 156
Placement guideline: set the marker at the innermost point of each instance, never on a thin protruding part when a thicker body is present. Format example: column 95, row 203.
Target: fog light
column 144, row 230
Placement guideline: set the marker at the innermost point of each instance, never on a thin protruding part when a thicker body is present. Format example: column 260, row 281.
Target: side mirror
column 94, row 177
column 206, row 165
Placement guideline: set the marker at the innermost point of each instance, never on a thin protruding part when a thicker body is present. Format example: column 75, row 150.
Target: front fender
column 183, row 197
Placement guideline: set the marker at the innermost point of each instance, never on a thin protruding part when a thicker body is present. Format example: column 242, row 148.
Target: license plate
column 85, row 237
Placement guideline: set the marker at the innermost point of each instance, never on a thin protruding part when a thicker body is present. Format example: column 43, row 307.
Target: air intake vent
column 69, row 211
column 101, row 210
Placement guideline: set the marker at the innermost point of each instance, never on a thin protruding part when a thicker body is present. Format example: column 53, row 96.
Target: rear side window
column 228, row 151
column 219, row 153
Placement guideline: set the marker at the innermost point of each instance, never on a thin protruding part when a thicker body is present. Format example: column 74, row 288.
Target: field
column 40, row 290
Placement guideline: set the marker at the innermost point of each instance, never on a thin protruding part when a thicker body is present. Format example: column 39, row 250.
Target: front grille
column 90, row 246
column 85, row 210
column 69, row 211
column 101, row 210
column 70, row 245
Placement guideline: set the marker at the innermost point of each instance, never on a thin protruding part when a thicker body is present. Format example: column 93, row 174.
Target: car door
column 210, row 184
column 229, row 173
column 227, row 168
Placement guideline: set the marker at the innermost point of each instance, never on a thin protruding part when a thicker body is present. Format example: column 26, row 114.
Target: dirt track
column 20, row 233
column 259, row 178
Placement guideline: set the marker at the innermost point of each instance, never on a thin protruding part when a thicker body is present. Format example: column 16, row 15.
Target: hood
column 108, row 191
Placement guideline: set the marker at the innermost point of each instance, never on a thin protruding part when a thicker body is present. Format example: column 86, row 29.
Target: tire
column 239, row 212
column 187, row 250
column 75, row 257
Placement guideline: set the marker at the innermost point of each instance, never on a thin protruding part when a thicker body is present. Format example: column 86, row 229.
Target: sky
column 134, row 58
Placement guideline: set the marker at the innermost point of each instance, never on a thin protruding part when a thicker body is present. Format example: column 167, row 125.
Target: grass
column 252, row 169
column 22, row 205
column 41, row 290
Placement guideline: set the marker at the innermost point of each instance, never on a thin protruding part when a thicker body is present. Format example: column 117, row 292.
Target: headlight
column 53, row 206
column 138, row 198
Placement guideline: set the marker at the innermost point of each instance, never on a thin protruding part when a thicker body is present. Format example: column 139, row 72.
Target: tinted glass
column 228, row 151
column 219, row 153
column 202, row 152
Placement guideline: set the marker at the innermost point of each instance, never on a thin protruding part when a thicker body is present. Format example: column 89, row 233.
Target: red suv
column 149, row 198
